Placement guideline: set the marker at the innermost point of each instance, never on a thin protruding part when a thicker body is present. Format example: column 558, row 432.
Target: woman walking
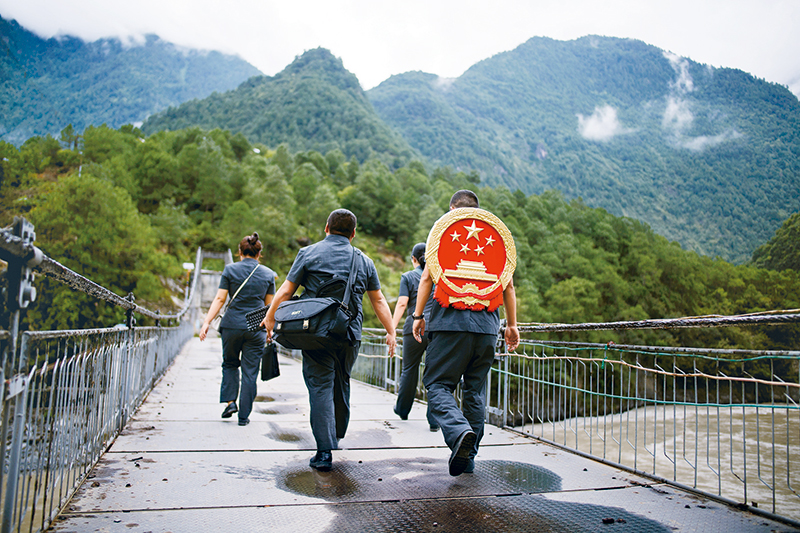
column 252, row 286
column 412, row 350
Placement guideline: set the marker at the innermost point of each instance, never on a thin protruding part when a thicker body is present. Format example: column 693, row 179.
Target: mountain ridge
column 48, row 84
column 708, row 157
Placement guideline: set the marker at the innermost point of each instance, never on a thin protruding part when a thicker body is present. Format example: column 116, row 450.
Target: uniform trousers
column 327, row 377
column 241, row 349
column 452, row 356
column 407, row 390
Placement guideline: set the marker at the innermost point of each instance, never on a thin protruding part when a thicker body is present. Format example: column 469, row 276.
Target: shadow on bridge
column 178, row 466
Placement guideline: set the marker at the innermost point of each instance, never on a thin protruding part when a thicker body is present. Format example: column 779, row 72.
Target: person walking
column 461, row 349
column 252, row 286
column 412, row 350
column 327, row 372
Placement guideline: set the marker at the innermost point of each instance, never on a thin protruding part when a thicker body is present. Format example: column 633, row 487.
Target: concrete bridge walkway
column 179, row 467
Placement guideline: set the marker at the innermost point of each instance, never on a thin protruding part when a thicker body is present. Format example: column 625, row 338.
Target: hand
column 419, row 329
column 512, row 338
column 268, row 325
column 204, row 331
column 391, row 342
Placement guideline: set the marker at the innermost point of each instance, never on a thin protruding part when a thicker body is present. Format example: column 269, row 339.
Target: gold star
column 489, row 241
column 479, row 249
column 473, row 231
column 465, row 248
column 455, row 235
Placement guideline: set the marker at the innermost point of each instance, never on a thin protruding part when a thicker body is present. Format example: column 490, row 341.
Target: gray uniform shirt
column 252, row 295
column 409, row 286
column 332, row 256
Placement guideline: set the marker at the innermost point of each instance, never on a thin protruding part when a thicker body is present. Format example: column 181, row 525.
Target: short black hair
column 342, row 222
column 464, row 198
column 418, row 253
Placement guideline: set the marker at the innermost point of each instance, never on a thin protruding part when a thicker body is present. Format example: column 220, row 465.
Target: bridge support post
column 18, row 295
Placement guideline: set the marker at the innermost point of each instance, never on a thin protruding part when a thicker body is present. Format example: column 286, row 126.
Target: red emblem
column 471, row 257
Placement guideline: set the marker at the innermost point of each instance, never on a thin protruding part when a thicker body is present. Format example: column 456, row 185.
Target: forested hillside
column 313, row 104
column 706, row 156
column 47, row 84
column 127, row 210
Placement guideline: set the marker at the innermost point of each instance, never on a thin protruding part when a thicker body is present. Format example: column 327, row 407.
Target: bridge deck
column 179, row 467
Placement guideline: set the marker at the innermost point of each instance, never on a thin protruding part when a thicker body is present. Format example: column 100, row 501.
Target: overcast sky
column 378, row 38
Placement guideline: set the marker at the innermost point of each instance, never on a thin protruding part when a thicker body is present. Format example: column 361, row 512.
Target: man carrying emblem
column 470, row 259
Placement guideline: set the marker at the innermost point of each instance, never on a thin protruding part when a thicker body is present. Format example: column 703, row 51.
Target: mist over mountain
column 708, row 157
column 313, row 104
column 47, row 84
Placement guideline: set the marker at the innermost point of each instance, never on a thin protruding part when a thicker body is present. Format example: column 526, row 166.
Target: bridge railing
column 67, row 394
column 723, row 423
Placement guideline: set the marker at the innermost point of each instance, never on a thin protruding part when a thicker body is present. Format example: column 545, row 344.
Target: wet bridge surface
column 179, row 467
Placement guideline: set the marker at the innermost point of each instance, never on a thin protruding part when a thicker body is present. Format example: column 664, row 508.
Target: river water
column 712, row 449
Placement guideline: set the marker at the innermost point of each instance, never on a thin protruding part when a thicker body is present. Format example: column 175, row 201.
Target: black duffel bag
column 315, row 323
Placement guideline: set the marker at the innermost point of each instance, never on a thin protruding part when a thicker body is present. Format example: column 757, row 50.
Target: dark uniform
column 327, row 372
column 412, row 350
column 236, row 339
column 462, row 343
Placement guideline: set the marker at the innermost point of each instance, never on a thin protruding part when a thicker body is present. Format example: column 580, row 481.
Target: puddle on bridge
column 286, row 437
column 399, row 479
column 261, row 398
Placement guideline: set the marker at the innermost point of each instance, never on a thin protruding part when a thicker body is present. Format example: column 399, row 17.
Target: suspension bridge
column 118, row 429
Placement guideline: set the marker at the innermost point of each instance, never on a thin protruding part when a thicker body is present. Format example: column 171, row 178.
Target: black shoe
column 398, row 414
column 229, row 410
column 244, row 421
column 433, row 427
column 322, row 461
column 470, row 466
column 461, row 452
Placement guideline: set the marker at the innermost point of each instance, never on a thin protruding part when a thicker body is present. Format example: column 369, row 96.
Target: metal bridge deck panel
column 519, row 513
column 191, row 479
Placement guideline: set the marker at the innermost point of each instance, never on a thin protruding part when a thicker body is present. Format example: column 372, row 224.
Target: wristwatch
column 415, row 317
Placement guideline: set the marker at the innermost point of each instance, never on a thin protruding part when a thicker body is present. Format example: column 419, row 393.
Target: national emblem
column 471, row 257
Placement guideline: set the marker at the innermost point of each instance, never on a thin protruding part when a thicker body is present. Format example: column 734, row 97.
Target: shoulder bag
column 316, row 323
column 217, row 319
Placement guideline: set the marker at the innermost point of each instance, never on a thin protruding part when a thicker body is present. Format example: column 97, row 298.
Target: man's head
column 464, row 198
column 341, row 222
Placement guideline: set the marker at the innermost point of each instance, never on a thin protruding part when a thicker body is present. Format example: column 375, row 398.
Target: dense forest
column 125, row 210
column 47, row 84
column 709, row 157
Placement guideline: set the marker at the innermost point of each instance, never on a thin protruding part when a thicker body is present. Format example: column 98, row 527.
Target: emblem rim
column 450, row 218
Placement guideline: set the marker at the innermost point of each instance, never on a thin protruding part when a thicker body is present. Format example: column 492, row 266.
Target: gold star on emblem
column 479, row 249
column 489, row 241
column 455, row 235
column 473, row 231
column 465, row 248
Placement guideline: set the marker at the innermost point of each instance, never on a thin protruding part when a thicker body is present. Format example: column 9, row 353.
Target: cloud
column 680, row 65
column 698, row 144
column 443, row 84
column 677, row 115
column 602, row 125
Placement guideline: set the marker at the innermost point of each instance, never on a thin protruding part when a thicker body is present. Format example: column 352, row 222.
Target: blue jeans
column 241, row 349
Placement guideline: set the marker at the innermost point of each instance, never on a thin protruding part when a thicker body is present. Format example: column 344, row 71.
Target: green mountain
column 706, row 156
column 313, row 104
column 47, row 84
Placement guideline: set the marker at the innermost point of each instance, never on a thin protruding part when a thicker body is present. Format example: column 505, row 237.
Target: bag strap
column 350, row 281
column 235, row 294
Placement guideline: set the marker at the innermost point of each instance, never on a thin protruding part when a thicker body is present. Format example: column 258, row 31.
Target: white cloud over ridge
column 602, row 125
